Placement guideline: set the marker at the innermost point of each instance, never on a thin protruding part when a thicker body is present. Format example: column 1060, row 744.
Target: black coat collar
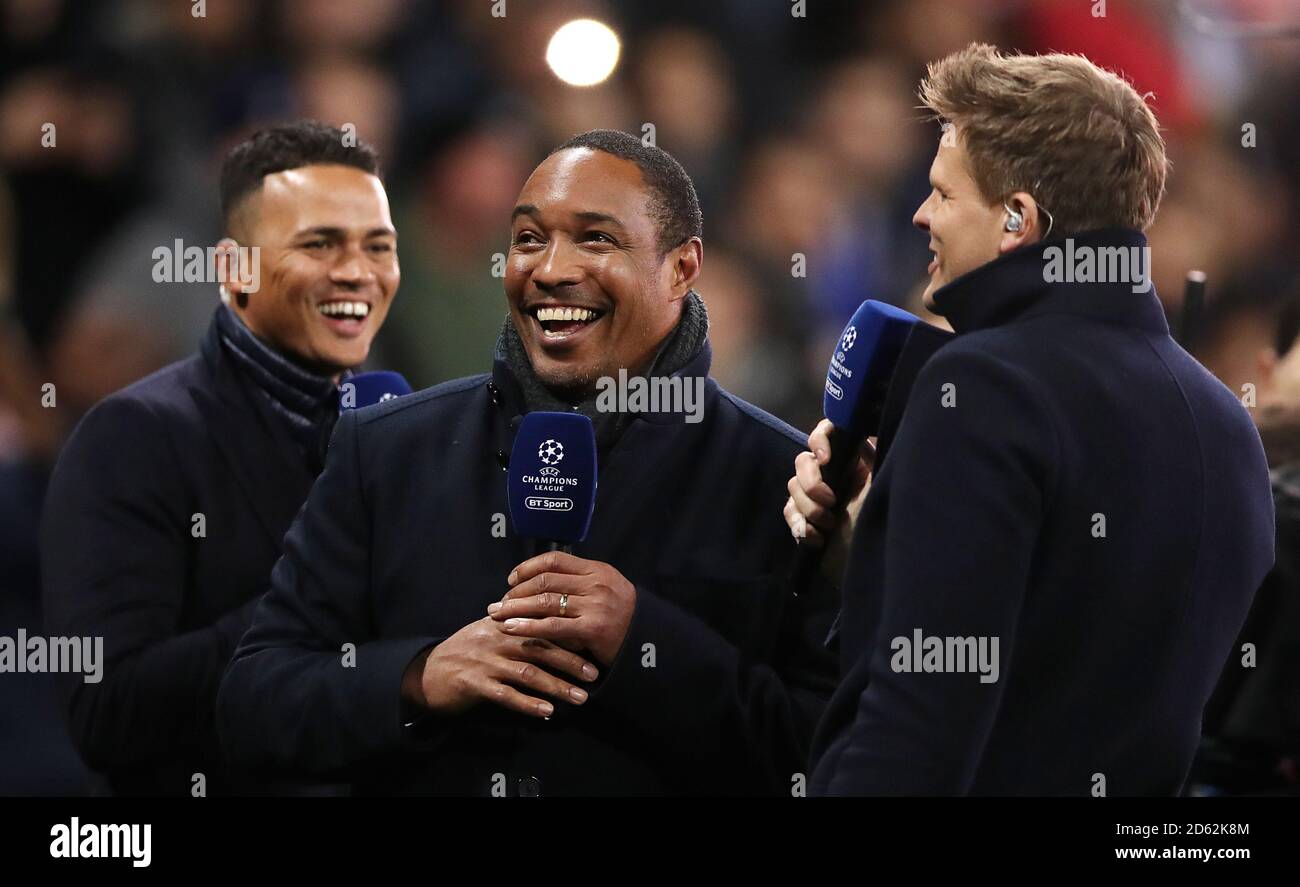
column 1013, row 286
column 266, row 463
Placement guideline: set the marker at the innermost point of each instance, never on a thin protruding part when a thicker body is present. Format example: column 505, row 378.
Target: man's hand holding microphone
column 560, row 612
column 831, row 479
column 815, row 515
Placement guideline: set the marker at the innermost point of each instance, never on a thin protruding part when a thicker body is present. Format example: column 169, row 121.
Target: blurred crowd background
column 801, row 133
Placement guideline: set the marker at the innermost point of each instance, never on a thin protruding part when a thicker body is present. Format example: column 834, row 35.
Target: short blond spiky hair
column 1078, row 138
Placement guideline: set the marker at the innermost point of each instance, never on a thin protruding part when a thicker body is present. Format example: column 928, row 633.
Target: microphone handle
column 837, row 473
column 1193, row 306
column 559, row 546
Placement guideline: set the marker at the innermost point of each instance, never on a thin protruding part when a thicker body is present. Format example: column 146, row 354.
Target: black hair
column 287, row 146
column 674, row 203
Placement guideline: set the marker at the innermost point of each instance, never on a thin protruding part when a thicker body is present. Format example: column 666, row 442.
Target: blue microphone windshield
column 552, row 477
column 371, row 388
column 862, row 365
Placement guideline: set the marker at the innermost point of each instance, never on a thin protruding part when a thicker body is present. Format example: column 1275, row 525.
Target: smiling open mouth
column 344, row 309
column 562, row 321
column 345, row 317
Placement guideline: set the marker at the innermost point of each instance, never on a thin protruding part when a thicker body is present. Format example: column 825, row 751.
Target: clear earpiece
column 1015, row 221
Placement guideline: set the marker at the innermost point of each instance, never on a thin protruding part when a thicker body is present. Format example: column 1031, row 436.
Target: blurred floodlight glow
column 583, row 52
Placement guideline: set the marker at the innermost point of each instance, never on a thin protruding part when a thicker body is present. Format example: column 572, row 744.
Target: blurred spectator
column 866, row 119
column 36, row 755
column 452, row 221
column 745, row 341
column 1252, row 725
column 675, row 62
column 342, row 90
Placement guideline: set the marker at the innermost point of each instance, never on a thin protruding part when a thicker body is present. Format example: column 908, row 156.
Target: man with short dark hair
column 666, row 656
column 168, row 505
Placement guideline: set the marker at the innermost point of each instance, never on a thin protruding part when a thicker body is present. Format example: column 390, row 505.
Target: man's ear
column 231, row 287
column 1023, row 222
column 687, row 262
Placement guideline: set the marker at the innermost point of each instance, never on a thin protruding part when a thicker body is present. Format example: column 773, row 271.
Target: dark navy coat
column 1090, row 496
column 123, row 557
column 393, row 552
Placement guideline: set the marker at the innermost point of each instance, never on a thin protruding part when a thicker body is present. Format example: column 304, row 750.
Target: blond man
column 1049, row 568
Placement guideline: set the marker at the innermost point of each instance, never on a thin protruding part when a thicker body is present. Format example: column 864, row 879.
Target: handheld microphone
column 857, row 382
column 551, row 484
column 371, row 388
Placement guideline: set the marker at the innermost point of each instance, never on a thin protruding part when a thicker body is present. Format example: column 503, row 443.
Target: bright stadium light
column 583, row 52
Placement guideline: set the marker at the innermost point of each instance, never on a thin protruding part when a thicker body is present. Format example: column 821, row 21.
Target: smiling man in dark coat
column 665, row 657
column 1052, row 563
column 168, row 505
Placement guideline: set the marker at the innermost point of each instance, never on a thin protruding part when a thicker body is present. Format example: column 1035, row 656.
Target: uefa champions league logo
column 550, row 452
column 549, row 480
column 850, row 337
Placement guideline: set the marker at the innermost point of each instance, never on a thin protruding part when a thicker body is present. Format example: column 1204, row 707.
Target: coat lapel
column 263, row 460
column 920, row 346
